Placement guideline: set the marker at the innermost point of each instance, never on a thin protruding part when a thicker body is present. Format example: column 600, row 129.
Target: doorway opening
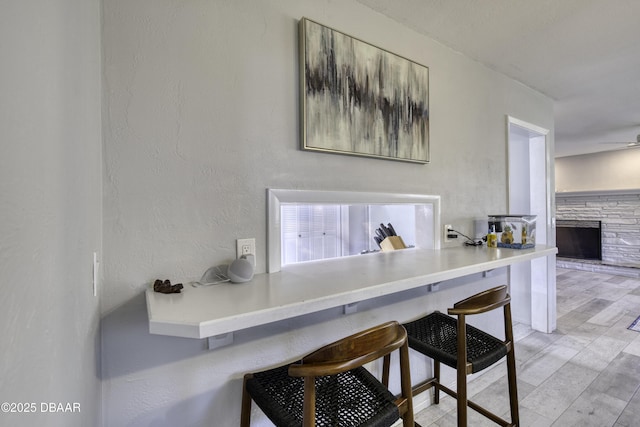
column 529, row 193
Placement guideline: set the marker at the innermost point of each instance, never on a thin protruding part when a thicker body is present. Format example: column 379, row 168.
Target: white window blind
column 310, row 232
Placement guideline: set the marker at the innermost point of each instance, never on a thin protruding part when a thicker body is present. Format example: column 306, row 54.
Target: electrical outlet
column 245, row 247
column 447, row 227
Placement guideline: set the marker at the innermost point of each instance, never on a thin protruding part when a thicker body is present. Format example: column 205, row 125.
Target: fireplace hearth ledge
column 598, row 267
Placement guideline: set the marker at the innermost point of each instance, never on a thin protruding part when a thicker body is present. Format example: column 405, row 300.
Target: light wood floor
column 586, row 373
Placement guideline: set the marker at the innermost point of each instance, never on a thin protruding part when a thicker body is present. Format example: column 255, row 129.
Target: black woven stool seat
column 436, row 334
column 352, row 398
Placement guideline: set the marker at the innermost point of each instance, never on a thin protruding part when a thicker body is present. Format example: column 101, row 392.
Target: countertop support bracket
column 221, row 340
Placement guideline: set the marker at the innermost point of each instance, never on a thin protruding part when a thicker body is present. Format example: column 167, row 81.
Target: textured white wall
column 50, row 208
column 201, row 117
column 609, row 170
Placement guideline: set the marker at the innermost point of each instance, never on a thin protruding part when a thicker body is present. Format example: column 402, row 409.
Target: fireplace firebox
column 579, row 239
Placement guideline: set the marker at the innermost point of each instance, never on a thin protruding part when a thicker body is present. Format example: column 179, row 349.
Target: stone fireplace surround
column 619, row 211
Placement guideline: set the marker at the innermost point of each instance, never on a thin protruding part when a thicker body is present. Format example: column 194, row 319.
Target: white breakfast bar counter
column 311, row 287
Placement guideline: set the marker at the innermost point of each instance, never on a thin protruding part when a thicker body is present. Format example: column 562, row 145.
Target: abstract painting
column 359, row 99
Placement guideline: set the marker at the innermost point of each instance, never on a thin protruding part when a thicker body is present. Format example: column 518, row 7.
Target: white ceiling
column 584, row 54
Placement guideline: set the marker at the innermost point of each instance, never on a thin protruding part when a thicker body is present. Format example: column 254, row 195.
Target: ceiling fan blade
column 635, row 143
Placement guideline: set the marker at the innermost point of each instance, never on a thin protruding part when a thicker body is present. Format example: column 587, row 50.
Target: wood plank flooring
column 586, row 373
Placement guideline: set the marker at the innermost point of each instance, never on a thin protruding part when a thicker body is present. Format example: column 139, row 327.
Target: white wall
column 202, row 117
column 50, row 208
column 609, row 170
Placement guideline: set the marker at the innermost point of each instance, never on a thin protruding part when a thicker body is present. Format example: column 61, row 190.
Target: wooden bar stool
column 466, row 349
column 330, row 387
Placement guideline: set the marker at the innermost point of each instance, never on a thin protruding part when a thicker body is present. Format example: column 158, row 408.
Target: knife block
column 392, row 243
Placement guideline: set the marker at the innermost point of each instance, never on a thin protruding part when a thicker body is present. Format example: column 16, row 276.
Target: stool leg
column 245, row 415
column 405, row 386
column 436, row 374
column 513, row 388
column 461, row 371
column 511, row 366
column 462, row 397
